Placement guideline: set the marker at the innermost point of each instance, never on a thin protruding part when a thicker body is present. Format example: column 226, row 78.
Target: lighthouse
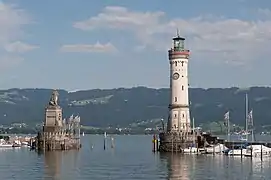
column 179, row 136
column 179, row 115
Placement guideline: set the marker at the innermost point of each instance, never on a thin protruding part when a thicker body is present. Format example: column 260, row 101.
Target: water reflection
column 61, row 165
column 179, row 166
column 52, row 162
column 193, row 167
column 260, row 168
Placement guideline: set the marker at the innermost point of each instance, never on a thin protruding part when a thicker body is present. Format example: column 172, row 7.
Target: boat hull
column 258, row 151
column 237, row 152
column 6, row 145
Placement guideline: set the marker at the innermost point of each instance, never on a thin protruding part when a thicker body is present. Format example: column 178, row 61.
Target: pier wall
column 56, row 142
column 176, row 142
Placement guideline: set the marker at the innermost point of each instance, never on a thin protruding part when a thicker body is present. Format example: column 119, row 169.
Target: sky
column 80, row 44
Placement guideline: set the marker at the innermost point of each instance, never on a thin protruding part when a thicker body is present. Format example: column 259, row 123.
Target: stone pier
column 176, row 142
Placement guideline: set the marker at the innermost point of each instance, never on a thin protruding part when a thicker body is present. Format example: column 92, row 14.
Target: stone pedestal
column 175, row 141
column 53, row 116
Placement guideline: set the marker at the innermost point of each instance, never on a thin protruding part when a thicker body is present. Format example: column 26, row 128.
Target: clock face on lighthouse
column 175, row 76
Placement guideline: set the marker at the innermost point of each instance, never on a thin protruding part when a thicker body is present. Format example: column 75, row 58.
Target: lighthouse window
column 183, row 115
column 175, row 99
column 182, row 87
column 182, row 63
column 176, row 63
column 175, row 115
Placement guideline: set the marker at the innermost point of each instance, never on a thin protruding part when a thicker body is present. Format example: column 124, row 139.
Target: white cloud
column 119, row 18
column 19, row 47
column 209, row 37
column 89, row 48
column 12, row 20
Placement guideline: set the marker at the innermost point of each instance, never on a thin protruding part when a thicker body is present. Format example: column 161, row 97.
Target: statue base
column 53, row 116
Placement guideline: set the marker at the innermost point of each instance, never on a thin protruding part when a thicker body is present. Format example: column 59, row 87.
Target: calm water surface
column 131, row 159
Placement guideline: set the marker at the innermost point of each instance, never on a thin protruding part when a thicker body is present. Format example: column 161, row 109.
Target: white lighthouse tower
column 179, row 115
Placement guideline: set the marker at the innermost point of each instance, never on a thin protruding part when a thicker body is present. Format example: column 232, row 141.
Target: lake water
column 131, row 159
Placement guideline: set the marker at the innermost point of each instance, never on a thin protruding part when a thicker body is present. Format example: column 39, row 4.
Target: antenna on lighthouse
column 178, row 33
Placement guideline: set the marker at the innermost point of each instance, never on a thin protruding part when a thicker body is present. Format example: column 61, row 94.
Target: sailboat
column 249, row 122
column 245, row 133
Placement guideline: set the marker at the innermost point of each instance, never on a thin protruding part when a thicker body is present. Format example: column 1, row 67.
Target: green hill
column 123, row 106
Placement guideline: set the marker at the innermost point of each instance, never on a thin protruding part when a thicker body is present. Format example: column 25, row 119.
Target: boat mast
column 252, row 127
column 228, row 128
column 194, row 135
column 246, row 116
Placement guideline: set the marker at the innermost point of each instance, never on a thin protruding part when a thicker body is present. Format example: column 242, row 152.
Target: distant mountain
column 126, row 106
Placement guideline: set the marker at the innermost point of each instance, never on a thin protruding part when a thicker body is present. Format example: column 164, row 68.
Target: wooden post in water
column 176, row 147
column 223, row 151
column 251, row 151
column 153, row 143
column 112, row 143
column 157, row 143
column 232, row 146
column 197, row 144
column 104, row 140
column 171, row 144
column 43, row 141
column 261, row 152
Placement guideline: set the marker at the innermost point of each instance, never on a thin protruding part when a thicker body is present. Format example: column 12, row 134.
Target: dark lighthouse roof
column 178, row 38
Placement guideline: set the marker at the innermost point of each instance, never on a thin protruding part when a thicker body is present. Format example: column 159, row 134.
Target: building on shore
column 57, row 133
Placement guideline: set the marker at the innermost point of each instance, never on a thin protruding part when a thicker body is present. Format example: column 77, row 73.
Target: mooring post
column 232, row 146
column 176, row 147
column 223, row 142
column 112, row 142
column 197, row 144
column 157, row 143
column 43, row 136
column 153, row 143
column 171, row 143
column 105, row 140
column 251, row 151
column 261, row 152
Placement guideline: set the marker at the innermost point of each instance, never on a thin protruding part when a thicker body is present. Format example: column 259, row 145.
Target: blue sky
column 79, row 44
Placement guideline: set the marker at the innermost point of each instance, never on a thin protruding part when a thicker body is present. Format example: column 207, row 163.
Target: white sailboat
column 246, row 132
column 257, row 150
column 237, row 152
column 4, row 144
column 217, row 148
column 249, row 122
